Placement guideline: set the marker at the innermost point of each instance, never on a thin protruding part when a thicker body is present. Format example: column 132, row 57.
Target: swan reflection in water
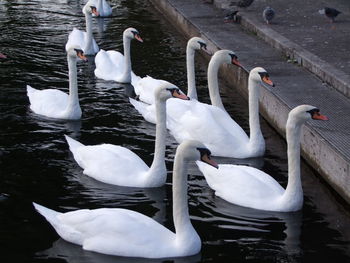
column 101, row 24
column 255, row 225
column 152, row 201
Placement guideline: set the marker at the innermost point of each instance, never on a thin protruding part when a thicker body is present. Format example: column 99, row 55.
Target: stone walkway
column 325, row 145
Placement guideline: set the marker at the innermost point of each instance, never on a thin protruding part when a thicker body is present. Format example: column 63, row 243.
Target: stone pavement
column 325, row 145
column 304, row 35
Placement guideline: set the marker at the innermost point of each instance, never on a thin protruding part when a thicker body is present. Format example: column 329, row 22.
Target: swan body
column 82, row 39
column 117, row 165
column 144, row 87
column 250, row 187
column 148, row 111
column 123, row 232
column 214, row 127
column 112, row 65
column 103, row 8
column 211, row 124
column 54, row 103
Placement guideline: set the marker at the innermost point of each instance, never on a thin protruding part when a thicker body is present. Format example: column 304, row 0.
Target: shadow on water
column 73, row 254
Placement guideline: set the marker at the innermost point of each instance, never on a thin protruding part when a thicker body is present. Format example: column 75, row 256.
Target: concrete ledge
column 337, row 79
column 319, row 152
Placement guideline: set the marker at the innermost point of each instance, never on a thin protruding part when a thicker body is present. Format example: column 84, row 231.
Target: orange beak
column 209, row 161
column 179, row 95
column 318, row 116
column 268, row 81
column 82, row 56
column 95, row 12
column 236, row 62
column 138, row 38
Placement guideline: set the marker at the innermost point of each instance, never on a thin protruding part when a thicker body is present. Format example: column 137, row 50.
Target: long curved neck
column 293, row 133
column 127, row 59
column 183, row 227
column 73, row 100
column 88, row 49
column 191, row 80
column 213, row 84
column 256, row 137
column 158, row 164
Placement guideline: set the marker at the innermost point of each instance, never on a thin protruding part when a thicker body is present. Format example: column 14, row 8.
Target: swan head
column 226, row 56
column 90, row 8
column 259, row 74
column 76, row 52
column 167, row 90
column 303, row 113
column 192, row 150
column 197, row 43
column 132, row 33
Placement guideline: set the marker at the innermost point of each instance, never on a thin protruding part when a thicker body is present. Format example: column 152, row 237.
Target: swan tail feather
column 30, row 90
column 73, row 147
column 139, row 106
column 66, row 232
column 50, row 215
column 73, row 144
column 142, row 108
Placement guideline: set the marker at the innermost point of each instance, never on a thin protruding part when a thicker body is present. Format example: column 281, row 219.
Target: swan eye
column 79, row 51
column 202, row 45
column 172, row 90
column 314, row 112
column 263, row 75
column 137, row 36
column 233, row 56
column 204, row 151
column 234, row 60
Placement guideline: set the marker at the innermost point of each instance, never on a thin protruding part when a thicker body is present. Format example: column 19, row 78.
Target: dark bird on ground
column 242, row 3
column 231, row 17
column 331, row 13
column 268, row 14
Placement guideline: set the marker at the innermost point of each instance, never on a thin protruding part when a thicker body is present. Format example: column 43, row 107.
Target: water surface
column 36, row 164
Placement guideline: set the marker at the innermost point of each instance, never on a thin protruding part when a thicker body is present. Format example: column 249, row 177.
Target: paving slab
column 325, row 145
column 304, row 35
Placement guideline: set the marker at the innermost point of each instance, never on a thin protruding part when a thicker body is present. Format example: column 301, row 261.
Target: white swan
column 112, row 65
column 214, row 127
column 117, row 165
column 123, row 232
column 250, row 187
column 103, row 8
column 222, row 56
column 84, row 39
column 54, row 103
column 144, row 88
column 211, row 124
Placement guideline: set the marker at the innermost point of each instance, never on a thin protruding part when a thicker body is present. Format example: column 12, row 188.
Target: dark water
column 36, row 164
